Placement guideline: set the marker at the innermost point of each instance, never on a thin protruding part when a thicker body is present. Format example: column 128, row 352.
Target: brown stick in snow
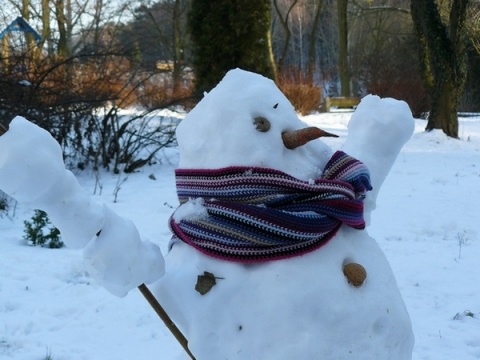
column 3, row 129
column 165, row 318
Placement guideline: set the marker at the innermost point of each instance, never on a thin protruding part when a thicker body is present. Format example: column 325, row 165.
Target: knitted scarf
column 251, row 214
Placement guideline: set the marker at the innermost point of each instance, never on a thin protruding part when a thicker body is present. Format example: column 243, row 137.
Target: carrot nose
column 295, row 138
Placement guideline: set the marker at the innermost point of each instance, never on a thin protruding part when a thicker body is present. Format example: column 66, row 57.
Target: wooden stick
column 3, row 129
column 165, row 318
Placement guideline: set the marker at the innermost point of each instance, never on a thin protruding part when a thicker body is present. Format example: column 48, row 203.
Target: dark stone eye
column 261, row 124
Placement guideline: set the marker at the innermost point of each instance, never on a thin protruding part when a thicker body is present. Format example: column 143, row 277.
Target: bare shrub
column 77, row 100
column 159, row 89
column 384, row 56
column 305, row 97
column 409, row 89
column 128, row 142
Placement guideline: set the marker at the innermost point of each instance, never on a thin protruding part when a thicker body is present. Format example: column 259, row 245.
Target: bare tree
column 63, row 91
column 383, row 55
column 443, row 59
column 284, row 22
column 474, row 26
column 313, row 42
column 158, row 33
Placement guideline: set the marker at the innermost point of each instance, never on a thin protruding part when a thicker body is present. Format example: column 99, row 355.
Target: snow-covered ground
column 429, row 204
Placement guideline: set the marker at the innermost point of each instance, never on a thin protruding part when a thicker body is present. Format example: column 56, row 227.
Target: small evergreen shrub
column 39, row 231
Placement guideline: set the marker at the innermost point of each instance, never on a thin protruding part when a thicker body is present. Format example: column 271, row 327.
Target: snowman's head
column 246, row 121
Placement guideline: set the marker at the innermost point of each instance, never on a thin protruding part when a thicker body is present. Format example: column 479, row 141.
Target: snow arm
column 32, row 171
column 377, row 132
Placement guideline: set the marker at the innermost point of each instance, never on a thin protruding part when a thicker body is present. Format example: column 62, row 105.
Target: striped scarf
column 250, row 214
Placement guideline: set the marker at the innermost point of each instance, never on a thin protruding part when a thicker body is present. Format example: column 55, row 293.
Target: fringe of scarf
column 251, row 214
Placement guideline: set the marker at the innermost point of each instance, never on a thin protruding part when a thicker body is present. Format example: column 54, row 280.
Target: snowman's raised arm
column 377, row 132
column 33, row 172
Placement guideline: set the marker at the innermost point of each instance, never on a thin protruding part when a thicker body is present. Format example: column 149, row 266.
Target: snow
column 42, row 182
column 15, row 149
column 376, row 133
column 192, row 209
column 48, row 303
column 118, row 260
column 315, row 307
column 223, row 123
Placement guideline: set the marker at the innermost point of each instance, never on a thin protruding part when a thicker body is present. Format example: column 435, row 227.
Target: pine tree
column 41, row 232
column 227, row 34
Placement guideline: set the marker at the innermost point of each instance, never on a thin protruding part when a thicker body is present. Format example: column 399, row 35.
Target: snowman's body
column 297, row 308
column 300, row 307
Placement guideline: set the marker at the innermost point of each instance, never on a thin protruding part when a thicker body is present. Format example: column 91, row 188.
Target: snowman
column 270, row 256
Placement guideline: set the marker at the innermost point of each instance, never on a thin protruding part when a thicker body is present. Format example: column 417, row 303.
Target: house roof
column 20, row 24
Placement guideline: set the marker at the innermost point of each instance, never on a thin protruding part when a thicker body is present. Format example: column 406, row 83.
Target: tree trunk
column 313, row 42
column 26, row 15
column 45, row 16
column 443, row 58
column 229, row 34
column 443, row 113
column 177, row 49
column 5, row 52
column 343, row 47
column 25, row 9
column 271, row 56
column 62, row 49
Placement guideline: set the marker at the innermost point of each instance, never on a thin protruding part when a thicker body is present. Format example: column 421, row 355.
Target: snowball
column 119, row 260
column 191, row 210
column 387, row 121
column 30, row 161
